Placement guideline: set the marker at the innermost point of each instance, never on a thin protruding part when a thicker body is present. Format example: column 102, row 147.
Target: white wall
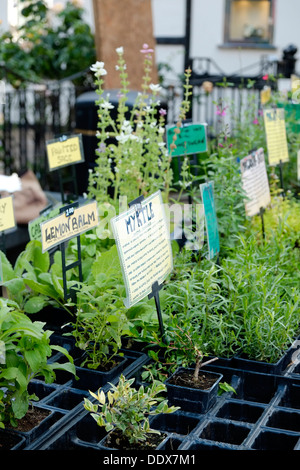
column 207, row 33
column 207, row 29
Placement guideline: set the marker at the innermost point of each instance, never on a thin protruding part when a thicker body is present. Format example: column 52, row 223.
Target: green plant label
column 66, row 226
column 255, row 182
column 143, row 241
column 64, row 151
column 207, row 194
column 34, row 226
column 190, row 140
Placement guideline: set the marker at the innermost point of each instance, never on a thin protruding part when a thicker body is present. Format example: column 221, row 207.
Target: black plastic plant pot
column 193, row 399
column 90, row 379
column 276, row 368
column 9, row 440
column 162, row 439
column 50, row 418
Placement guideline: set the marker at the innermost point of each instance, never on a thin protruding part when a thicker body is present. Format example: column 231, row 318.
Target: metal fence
column 37, row 113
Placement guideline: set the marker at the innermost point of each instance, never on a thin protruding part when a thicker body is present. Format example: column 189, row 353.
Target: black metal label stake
column 281, row 177
column 261, row 213
column 69, row 210
column 155, row 293
column 137, row 204
column 68, row 179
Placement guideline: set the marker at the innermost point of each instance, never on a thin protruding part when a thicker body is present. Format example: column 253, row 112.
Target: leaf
column 35, row 304
column 44, row 289
column 107, row 263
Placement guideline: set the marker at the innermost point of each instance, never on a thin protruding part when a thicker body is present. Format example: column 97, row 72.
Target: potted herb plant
column 26, row 350
column 125, row 412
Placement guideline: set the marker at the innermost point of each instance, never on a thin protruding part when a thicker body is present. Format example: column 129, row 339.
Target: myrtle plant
column 127, row 409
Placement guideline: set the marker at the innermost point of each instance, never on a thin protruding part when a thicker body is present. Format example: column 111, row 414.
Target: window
column 249, row 23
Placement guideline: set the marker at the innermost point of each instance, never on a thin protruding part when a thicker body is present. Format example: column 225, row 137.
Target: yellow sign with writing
column 7, row 217
column 276, row 136
column 64, row 151
column 265, row 95
column 69, row 224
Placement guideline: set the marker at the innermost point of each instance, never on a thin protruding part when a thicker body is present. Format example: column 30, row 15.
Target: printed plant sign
column 7, row 217
column 64, row 151
column 276, row 136
column 191, row 139
column 255, row 182
column 207, row 194
column 68, row 225
column 143, row 241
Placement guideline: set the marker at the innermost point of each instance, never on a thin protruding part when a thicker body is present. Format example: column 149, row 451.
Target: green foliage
column 101, row 319
column 127, row 409
column 32, row 282
column 132, row 158
column 27, row 348
column 48, row 45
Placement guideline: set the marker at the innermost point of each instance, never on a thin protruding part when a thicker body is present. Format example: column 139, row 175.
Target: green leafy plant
column 127, row 409
column 32, row 282
column 132, row 158
column 27, row 348
column 49, row 44
column 101, row 319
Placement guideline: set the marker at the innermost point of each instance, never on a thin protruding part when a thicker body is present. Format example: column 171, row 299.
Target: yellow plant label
column 64, row 151
column 7, row 217
column 68, row 225
column 265, row 94
column 276, row 136
column 143, row 241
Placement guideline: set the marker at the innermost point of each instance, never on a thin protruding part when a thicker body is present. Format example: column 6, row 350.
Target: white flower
column 122, row 138
column 126, row 127
column 154, row 88
column 120, row 50
column 98, row 69
column 106, row 105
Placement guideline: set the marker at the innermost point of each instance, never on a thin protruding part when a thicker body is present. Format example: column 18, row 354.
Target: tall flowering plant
column 132, row 156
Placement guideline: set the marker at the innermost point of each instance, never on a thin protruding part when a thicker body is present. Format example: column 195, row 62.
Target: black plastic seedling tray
column 263, row 414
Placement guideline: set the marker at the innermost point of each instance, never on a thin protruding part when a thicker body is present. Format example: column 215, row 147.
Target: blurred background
column 234, row 48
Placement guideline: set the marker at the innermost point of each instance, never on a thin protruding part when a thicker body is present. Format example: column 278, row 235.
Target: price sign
column 143, row 241
column 207, row 194
column 190, row 140
column 255, row 182
column 64, row 151
column 68, row 225
column 7, row 217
